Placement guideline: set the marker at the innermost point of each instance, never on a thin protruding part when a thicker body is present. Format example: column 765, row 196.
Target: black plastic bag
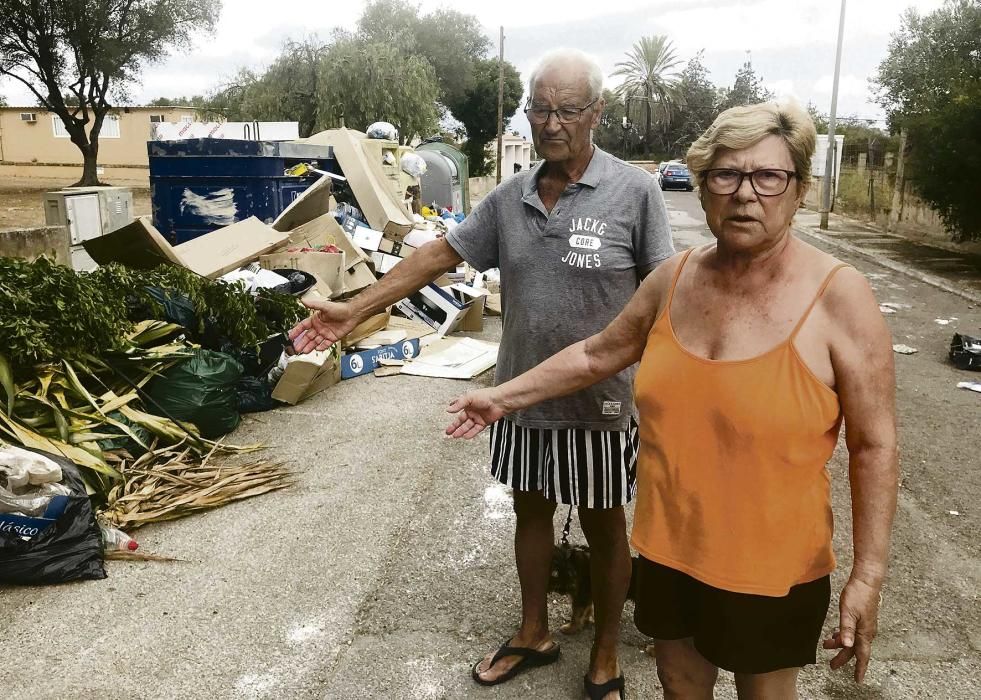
column 965, row 352
column 254, row 395
column 200, row 390
column 67, row 550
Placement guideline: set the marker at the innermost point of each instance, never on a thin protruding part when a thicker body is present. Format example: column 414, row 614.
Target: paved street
column 388, row 570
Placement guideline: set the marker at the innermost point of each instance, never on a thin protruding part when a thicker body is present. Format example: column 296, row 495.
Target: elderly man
column 573, row 237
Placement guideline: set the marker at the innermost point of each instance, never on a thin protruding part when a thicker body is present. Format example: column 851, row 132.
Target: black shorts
column 738, row 632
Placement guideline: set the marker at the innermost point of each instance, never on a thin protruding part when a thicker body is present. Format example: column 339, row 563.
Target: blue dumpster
column 199, row 185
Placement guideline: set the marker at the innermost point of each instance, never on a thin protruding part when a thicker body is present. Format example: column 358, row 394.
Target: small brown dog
column 570, row 576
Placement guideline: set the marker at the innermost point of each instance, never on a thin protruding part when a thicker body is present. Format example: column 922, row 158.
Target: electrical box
column 87, row 213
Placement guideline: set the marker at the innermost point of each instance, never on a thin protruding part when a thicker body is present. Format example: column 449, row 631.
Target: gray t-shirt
column 566, row 274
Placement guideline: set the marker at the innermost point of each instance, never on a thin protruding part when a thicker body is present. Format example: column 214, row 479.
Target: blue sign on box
column 365, row 362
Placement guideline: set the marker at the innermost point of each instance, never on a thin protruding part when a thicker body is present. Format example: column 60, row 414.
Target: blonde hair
column 742, row 127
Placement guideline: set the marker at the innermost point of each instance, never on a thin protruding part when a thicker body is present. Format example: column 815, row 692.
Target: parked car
column 676, row 176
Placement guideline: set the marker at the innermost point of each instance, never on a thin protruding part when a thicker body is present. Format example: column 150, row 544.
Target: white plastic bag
column 383, row 130
column 413, row 164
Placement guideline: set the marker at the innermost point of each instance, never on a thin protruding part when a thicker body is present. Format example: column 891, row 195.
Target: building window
column 157, row 119
column 110, row 127
column 28, row 117
column 60, row 131
column 187, row 119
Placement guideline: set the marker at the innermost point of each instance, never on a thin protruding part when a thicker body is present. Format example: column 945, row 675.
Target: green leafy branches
column 50, row 313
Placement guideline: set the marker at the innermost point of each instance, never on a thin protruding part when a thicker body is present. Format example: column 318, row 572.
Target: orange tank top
column 732, row 487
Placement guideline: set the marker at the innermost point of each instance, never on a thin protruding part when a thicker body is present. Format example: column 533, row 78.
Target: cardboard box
column 368, row 184
column 311, row 203
column 357, row 364
column 307, row 375
column 473, row 321
column 400, row 250
column 493, row 304
column 367, row 327
column 324, row 230
column 436, row 308
column 140, row 245
column 228, row 248
column 137, row 244
column 327, row 268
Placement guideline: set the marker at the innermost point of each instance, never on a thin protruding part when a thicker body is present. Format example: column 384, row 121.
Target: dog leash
column 567, row 528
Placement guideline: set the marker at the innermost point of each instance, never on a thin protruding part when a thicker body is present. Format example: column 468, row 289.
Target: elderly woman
column 752, row 351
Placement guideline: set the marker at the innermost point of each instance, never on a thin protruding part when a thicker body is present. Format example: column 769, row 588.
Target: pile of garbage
column 134, row 416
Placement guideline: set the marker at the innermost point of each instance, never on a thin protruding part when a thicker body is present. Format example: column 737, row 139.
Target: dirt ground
column 21, row 198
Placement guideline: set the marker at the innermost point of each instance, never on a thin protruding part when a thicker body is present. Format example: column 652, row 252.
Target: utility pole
column 500, row 107
column 832, row 143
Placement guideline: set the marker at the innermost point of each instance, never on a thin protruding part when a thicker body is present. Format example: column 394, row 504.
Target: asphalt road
column 388, row 570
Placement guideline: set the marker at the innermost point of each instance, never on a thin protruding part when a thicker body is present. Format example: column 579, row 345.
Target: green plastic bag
column 200, row 390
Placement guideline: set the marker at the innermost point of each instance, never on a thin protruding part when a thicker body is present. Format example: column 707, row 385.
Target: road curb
column 932, row 280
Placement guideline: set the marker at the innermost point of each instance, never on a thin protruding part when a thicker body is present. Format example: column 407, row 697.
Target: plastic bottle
column 117, row 540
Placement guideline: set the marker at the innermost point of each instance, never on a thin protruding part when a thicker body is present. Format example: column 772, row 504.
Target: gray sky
column 792, row 42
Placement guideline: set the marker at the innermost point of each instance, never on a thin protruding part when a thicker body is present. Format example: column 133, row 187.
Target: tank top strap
column 817, row 297
column 674, row 282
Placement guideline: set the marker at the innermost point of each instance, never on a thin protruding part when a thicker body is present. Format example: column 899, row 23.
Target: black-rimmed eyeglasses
column 565, row 115
column 768, row 182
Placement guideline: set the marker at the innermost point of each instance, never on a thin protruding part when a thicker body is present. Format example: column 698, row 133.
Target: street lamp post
column 625, row 124
column 832, row 143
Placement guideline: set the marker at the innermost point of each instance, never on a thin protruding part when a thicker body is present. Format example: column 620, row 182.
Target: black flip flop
column 598, row 691
column 530, row 658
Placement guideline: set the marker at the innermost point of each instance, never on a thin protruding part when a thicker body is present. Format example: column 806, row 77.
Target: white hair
column 562, row 58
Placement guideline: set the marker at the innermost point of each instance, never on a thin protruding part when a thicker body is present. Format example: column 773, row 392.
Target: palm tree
column 648, row 77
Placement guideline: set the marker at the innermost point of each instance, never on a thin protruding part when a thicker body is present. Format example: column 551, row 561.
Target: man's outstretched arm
column 331, row 321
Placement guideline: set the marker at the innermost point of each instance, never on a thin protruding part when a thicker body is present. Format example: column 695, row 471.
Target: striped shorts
column 588, row 468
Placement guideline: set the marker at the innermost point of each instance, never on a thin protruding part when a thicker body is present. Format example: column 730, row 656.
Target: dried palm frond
column 173, row 482
column 123, row 555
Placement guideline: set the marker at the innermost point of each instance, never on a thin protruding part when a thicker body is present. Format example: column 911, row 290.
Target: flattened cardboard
column 137, row 244
column 307, row 375
column 228, row 248
column 367, row 327
column 453, row 358
column 419, row 237
column 374, row 196
column 388, row 336
column 311, row 203
column 384, row 262
column 357, row 364
column 366, row 238
column 327, row 268
column 412, row 327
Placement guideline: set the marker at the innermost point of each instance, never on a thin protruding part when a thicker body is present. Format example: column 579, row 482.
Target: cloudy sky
column 791, row 42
